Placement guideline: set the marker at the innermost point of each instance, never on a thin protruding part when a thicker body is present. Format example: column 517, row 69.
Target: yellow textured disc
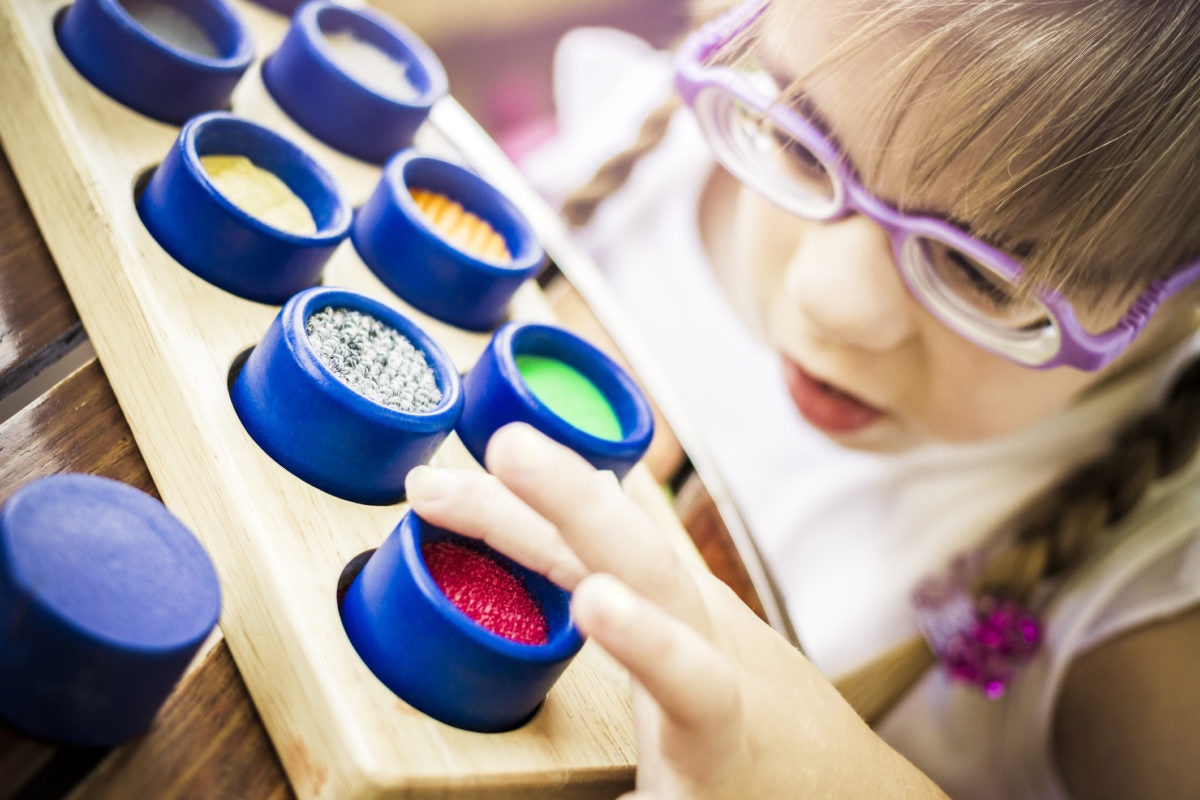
column 259, row 193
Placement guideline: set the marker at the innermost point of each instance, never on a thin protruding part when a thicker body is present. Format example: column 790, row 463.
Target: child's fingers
column 595, row 517
column 692, row 683
column 475, row 504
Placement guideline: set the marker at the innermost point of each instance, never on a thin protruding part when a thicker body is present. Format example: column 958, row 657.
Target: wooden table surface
column 207, row 741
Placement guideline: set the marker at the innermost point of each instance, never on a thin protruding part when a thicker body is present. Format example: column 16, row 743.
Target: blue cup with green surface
column 562, row 385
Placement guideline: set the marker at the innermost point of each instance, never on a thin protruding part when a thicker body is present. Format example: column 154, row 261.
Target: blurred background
column 498, row 53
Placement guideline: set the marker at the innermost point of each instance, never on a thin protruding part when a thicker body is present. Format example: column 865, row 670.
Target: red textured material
column 485, row 591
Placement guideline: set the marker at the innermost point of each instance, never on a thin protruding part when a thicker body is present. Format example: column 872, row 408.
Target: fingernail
column 425, row 485
column 512, row 443
column 612, row 598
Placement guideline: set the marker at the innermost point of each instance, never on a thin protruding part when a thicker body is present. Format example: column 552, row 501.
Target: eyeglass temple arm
column 1095, row 350
column 701, row 45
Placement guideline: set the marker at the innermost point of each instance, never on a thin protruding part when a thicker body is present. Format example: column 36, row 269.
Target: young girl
column 963, row 235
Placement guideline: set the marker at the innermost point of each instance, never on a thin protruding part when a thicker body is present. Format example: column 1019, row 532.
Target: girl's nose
column 843, row 279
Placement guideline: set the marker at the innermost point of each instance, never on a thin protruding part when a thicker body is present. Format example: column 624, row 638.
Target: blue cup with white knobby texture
column 322, row 426
column 169, row 60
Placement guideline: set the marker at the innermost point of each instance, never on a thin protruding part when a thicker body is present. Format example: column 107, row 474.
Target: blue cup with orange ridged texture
column 446, row 241
column 169, row 60
column 457, row 630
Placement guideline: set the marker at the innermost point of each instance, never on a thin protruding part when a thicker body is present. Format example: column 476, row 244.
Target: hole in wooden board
column 235, row 367
column 350, row 572
column 141, row 180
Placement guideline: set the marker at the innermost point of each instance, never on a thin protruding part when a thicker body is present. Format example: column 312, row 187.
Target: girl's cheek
column 773, row 238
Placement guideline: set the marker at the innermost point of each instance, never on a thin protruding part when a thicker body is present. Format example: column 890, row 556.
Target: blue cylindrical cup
column 340, row 107
column 413, row 258
column 323, row 431
column 225, row 245
column 129, row 59
column 497, row 394
column 105, row 597
column 435, row 657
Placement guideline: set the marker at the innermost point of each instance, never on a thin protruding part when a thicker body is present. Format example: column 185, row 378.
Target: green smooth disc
column 570, row 395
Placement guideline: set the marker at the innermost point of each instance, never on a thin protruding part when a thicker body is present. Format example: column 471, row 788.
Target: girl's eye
column 979, row 288
column 976, row 279
column 974, row 284
column 798, row 161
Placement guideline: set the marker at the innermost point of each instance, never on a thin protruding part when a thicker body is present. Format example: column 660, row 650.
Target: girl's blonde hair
column 1077, row 119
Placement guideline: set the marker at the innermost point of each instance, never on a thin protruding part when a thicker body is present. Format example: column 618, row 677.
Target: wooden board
column 39, row 323
column 166, row 340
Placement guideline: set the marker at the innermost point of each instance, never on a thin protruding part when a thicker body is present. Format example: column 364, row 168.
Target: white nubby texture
column 373, row 359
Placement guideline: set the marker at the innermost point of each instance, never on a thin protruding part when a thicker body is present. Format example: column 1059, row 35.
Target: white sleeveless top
column 847, row 535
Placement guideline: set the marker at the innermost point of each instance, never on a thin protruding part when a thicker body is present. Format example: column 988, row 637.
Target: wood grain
column 38, row 323
column 206, row 742
column 76, row 427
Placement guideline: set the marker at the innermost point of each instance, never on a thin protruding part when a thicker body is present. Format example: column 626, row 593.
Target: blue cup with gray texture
column 168, row 59
column 347, row 394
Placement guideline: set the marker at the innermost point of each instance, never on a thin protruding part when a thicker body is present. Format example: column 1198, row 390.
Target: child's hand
column 724, row 707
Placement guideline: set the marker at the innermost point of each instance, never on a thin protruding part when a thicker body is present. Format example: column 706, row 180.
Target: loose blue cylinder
column 436, row 658
column 496, row 394
column 138, row 68
column 224, row 244
column 413, row 259
column 104, row 599
column 323, row 431
column 305, row 80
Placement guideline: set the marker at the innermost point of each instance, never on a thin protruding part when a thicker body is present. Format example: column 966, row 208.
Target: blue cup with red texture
column 105, row 597
column 457, row 630
column 169, row 60
column 354, row 78
column 562, row 385
column 347, row 394
column 446, row 241
column 245, row 209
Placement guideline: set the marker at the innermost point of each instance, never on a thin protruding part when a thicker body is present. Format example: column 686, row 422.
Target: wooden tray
column 167, row 340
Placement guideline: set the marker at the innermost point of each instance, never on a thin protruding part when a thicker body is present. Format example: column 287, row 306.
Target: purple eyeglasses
column 967, row 283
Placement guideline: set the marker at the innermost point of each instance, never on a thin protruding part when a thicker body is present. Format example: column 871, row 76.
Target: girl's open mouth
column 825, row 406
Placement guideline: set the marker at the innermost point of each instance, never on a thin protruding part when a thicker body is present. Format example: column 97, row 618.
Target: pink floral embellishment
column 977, row 642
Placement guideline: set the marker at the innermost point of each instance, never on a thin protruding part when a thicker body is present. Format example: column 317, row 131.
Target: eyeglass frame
column 1077, row 347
